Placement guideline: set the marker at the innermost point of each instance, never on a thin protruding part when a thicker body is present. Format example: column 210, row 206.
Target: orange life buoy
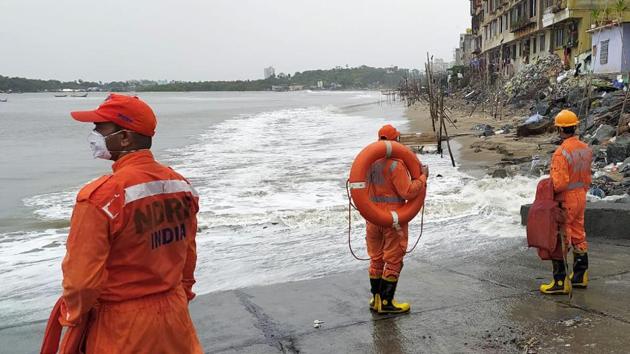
column 358, row 183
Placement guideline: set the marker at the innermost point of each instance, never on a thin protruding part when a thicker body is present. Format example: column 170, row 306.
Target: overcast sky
column 220, row 39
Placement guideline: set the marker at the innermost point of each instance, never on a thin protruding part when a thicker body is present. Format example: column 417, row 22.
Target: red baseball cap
column 129, row 112
column 388, row 132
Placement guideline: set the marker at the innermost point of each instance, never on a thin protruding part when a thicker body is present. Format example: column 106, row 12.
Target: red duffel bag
column 544, row 221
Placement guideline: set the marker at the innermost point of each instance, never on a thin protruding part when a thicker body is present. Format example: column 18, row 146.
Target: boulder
column 483, row 130
column 619, row 150
column 625, row 166
column 536, row 128
column 543, row 108
column 603, row 133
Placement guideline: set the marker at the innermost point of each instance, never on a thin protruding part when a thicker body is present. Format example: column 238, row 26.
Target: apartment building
column 513, row 33
column 463, row 53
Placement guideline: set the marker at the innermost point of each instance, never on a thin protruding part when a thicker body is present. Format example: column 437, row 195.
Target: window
column 532, row 7
column 514, row 52
column 542, row 42
column 603, row 55
column 534, row 46
column 559, row 38
column 501, row 24
column 505, row 22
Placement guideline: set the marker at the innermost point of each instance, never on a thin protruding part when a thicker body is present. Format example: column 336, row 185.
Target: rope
column 564, row 260
column 421, row 232
column 351, row 206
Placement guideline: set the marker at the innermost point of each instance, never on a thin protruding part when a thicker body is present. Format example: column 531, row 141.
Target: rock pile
column 547, row 89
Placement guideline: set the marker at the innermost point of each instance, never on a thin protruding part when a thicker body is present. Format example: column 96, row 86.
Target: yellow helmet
column 566, row 118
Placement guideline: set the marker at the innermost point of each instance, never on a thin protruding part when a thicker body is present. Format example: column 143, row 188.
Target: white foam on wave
column 52, row 206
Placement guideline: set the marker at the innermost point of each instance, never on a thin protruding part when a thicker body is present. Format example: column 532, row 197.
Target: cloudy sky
column 219, row 39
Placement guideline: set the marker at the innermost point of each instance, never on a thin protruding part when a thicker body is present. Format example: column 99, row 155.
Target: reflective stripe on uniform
column 376, row 175
column 395, row 219
column 149, row 189
column 575, row 185
column 582, row 159
column 383, row 199
column 357, row 185
column 392, row 167
column 388, row 145
column 567, row 156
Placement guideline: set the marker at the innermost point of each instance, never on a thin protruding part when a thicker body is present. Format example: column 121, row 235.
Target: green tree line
column 363, row 77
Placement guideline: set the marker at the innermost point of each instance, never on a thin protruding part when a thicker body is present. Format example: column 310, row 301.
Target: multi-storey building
column 270, row 72
column 463, row 54
column 512, row 33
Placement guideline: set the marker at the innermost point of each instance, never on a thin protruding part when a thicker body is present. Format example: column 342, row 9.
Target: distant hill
column 363, row 77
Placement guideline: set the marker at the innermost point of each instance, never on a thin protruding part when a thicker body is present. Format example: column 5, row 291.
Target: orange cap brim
column 88, row 116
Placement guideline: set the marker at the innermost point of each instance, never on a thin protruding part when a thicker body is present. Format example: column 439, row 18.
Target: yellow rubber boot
column 579, row 276
column 375, row 288
column 556, row 287
column 388, row 305
column 560, row 284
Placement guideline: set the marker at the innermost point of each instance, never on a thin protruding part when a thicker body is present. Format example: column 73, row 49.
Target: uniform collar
column 135, row 158
column 571, row 138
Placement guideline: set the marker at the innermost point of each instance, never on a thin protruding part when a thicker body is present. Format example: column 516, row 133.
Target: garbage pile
column 533, row 77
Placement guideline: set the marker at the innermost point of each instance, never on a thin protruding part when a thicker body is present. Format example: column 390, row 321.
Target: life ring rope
column 351, row 206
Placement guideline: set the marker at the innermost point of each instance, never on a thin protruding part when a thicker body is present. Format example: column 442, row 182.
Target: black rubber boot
column 560, row 284
column 387, row 303
column 375, row 289
column 579, row 277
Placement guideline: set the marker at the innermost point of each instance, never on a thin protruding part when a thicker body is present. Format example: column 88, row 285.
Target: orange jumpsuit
column 130, row 260
column 571, row 177
column 390, row 187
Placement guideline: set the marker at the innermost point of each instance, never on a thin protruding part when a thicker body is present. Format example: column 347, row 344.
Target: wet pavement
column 464, row 302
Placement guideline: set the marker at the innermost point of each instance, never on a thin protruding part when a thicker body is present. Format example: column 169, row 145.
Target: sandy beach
column 480, row 155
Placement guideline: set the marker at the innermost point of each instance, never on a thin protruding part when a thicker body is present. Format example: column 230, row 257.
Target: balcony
column 556, row 14
column 558, row 6
column 521, row 23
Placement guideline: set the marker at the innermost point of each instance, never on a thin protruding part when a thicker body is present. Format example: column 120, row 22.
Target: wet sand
column 480, row 155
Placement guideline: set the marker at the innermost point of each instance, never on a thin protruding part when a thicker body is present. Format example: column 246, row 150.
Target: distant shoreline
column 359, row 78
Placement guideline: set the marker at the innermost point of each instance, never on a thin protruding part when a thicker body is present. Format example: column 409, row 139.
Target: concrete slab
column 227, row 320
column 601, row 219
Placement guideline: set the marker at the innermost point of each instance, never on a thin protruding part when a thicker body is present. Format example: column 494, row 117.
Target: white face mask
column 99, row 146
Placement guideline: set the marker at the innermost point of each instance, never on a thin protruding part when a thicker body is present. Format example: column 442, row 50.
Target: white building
column 270, row 72
column 440, row 66
column 611, row 48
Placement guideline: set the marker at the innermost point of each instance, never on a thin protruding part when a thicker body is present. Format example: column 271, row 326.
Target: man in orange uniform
column 571, row 177
column 128, row 270
column 390, row 187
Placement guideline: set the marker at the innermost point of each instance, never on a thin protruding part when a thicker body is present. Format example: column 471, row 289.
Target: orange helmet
column 388, row 132
column 566, row 118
